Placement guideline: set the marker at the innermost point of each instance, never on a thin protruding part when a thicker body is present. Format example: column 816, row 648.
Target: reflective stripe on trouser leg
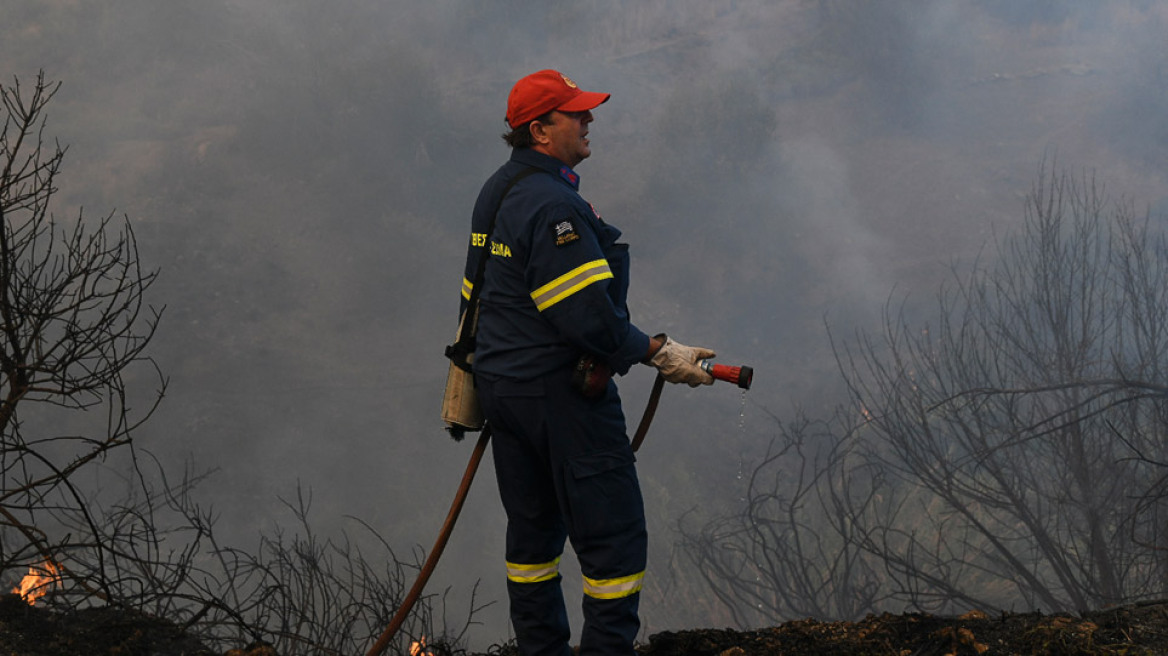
column 535, row 528
column 613, row 588
column 537, row 608
column 610, row 625
column 536, row 573
column 606, row 522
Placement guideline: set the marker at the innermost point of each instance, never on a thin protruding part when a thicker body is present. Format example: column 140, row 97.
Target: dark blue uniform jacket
column 556, row 282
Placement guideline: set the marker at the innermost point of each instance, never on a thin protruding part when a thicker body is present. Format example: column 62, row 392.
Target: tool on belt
column 741, row 376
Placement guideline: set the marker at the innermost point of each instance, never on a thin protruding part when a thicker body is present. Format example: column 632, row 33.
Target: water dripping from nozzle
column 742, row 416
column 741, row 434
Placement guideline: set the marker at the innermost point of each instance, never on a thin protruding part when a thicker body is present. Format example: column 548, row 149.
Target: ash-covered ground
column 1132, row 630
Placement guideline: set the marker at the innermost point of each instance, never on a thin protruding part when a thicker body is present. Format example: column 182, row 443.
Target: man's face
column 564, row 136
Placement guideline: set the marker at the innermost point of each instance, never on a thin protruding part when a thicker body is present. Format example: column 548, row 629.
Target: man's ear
column 538, row 132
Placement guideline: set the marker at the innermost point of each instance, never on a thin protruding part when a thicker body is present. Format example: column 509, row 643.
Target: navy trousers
column 565, row 469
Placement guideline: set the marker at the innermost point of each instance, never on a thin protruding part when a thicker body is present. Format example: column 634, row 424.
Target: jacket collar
column 529, row 157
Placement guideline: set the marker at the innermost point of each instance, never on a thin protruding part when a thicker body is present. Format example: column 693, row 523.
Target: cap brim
column 584, row 101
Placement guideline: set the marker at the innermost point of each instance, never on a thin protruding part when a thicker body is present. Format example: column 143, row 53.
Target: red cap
column 540, row 93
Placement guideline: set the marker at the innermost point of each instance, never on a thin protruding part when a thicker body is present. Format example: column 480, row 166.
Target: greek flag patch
column 564, row 232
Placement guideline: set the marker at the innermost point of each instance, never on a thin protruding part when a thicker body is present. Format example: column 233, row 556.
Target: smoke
column 302, row 173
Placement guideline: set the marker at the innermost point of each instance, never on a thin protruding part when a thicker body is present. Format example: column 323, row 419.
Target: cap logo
column 568, row 81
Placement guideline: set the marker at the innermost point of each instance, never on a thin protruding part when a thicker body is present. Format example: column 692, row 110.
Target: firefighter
column 553, row 326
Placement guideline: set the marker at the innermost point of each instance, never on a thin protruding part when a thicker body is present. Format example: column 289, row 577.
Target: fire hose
column 740, row 376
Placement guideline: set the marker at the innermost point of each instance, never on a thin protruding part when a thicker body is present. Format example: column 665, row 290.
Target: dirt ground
column 1133, row 630
column 1129, row 630
column 1140, row 629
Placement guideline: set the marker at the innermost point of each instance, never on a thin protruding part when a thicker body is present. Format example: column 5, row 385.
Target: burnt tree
column 1017, row 435
column 787, row 553
column 73, row 321
column 81, row 504
column 1007, row 454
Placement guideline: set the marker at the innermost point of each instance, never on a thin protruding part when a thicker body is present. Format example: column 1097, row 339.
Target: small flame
column 38, row 582
column 418, row 648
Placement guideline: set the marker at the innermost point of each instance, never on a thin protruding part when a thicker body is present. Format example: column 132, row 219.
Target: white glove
column 678, row 363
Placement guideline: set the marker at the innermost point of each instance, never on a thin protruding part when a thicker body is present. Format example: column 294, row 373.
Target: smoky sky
column 302, row 174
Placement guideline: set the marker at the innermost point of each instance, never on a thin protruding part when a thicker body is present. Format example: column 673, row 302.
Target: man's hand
column 678, row 363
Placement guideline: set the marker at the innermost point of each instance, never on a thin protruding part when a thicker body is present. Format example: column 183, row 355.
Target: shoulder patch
column 564, row 232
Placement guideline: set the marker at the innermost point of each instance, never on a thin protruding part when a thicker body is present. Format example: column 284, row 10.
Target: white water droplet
column 742, row 415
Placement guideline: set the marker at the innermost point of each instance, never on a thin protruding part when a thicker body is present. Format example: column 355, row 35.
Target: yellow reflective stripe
column 466, row 287
column 570, row 283
column 625, row 586
column 533, row 573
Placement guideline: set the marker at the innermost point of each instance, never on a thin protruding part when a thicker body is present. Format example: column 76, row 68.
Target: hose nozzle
column 740, row 376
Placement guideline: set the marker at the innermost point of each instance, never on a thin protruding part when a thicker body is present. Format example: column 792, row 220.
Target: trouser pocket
column 604, row 495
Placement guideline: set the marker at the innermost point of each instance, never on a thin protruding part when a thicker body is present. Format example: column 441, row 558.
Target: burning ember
column 418, row 648
column 38, row 582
